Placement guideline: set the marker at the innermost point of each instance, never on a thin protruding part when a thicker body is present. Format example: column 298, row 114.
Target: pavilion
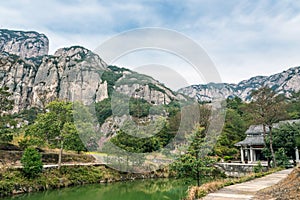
column 252, row 146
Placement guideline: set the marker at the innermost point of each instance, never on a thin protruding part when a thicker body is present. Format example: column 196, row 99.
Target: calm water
column 136, row 190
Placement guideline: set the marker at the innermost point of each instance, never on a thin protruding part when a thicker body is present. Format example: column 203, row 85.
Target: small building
column 253, row 144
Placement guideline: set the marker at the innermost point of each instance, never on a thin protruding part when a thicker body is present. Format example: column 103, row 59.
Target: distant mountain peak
column 285, row 83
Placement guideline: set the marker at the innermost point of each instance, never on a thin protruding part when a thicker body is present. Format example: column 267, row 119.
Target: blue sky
column 243, row 38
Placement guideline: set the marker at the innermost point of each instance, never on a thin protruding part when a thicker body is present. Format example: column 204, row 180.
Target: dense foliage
column 57, row 129
column 6, row 120
column 32, row 162
column 137, row 141
column 236, row 123
column 194, row 163
column 286, row 139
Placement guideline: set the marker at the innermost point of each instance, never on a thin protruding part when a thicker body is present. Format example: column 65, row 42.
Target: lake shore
column 13, row 182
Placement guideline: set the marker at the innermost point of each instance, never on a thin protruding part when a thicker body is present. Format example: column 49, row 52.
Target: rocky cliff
column 285, row 82
column 24, row 44
column 73, row 73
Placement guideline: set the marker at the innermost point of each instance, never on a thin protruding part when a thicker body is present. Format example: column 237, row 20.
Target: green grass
column 13, row 180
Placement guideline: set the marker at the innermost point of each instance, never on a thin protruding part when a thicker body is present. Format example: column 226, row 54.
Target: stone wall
column 237, row 169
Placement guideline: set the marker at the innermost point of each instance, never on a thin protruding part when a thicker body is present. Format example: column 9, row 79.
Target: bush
column 228, row 158
column 281, row 158
column 32, row 162
column 258, row 168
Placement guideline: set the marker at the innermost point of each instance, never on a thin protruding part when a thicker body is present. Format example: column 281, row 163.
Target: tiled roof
column 252, row 140
column 258, row 129
column 255, row 133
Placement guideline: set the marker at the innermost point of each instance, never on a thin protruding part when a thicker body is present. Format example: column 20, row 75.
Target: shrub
column 32, row 162
column 258, row 168
column 281, row 158
column 228, row 158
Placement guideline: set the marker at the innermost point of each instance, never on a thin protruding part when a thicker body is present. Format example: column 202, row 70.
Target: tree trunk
column 60, row 154
column 264, row 136
column 271, row 147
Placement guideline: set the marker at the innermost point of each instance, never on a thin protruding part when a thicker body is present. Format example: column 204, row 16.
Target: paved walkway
column 246, row 190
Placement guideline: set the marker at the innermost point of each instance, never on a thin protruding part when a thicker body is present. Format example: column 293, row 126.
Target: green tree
column 138, row 107
column 103, row 110
column 281, row 158
column 72, row 140
column 32, row 162
column 193, row 163
column 267, row 108
column 293, row 107
column 139, row 140
column 233, row 132
column 56, row 128
column 6, row 105
column 286, row 137
column 52, row 126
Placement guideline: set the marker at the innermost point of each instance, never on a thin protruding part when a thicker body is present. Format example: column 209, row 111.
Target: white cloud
column 244, row 38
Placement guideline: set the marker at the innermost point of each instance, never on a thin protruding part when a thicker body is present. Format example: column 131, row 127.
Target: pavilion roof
column 255, row 133
column 252, row 140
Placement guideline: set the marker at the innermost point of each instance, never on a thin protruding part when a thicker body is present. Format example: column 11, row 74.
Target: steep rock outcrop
column 142, row 86
column 24, row 44
column 72, row 73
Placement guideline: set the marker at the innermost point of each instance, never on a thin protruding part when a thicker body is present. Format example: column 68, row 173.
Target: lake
column 154, row 189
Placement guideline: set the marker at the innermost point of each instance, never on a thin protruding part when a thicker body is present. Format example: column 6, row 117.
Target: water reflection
column 142, row 190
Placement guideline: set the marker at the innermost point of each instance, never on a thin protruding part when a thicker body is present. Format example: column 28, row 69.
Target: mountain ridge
column 76, row 73
column 285, row 82
column 73, row 73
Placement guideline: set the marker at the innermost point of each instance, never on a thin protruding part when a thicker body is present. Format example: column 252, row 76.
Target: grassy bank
column 11, row 158
column 12, row 181
column 199, row 192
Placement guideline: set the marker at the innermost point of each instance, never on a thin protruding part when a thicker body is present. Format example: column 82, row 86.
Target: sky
column 242, row 38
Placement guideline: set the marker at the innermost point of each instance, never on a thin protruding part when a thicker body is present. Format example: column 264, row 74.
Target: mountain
column 74, row 73
column 285, row 83
column 24, row 44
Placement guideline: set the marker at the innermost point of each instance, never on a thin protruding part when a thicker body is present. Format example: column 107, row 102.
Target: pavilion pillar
column 251, row 154
column 242, row 155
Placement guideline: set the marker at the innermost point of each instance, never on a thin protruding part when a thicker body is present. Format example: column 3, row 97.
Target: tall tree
column 233, row 132
column 56, row 128
column 193, row 163
column 51, row 127
column 6, row 105
column 267, row 108
column 286, row 137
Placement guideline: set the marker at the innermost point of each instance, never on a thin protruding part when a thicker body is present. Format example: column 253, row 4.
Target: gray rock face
column 137, row 85
column 23, row 44
column 72, row 73
column 285, row 83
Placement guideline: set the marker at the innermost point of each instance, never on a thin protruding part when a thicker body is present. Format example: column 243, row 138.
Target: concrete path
column 248, row 189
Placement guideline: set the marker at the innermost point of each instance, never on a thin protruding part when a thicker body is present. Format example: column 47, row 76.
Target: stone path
column 246, row 191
